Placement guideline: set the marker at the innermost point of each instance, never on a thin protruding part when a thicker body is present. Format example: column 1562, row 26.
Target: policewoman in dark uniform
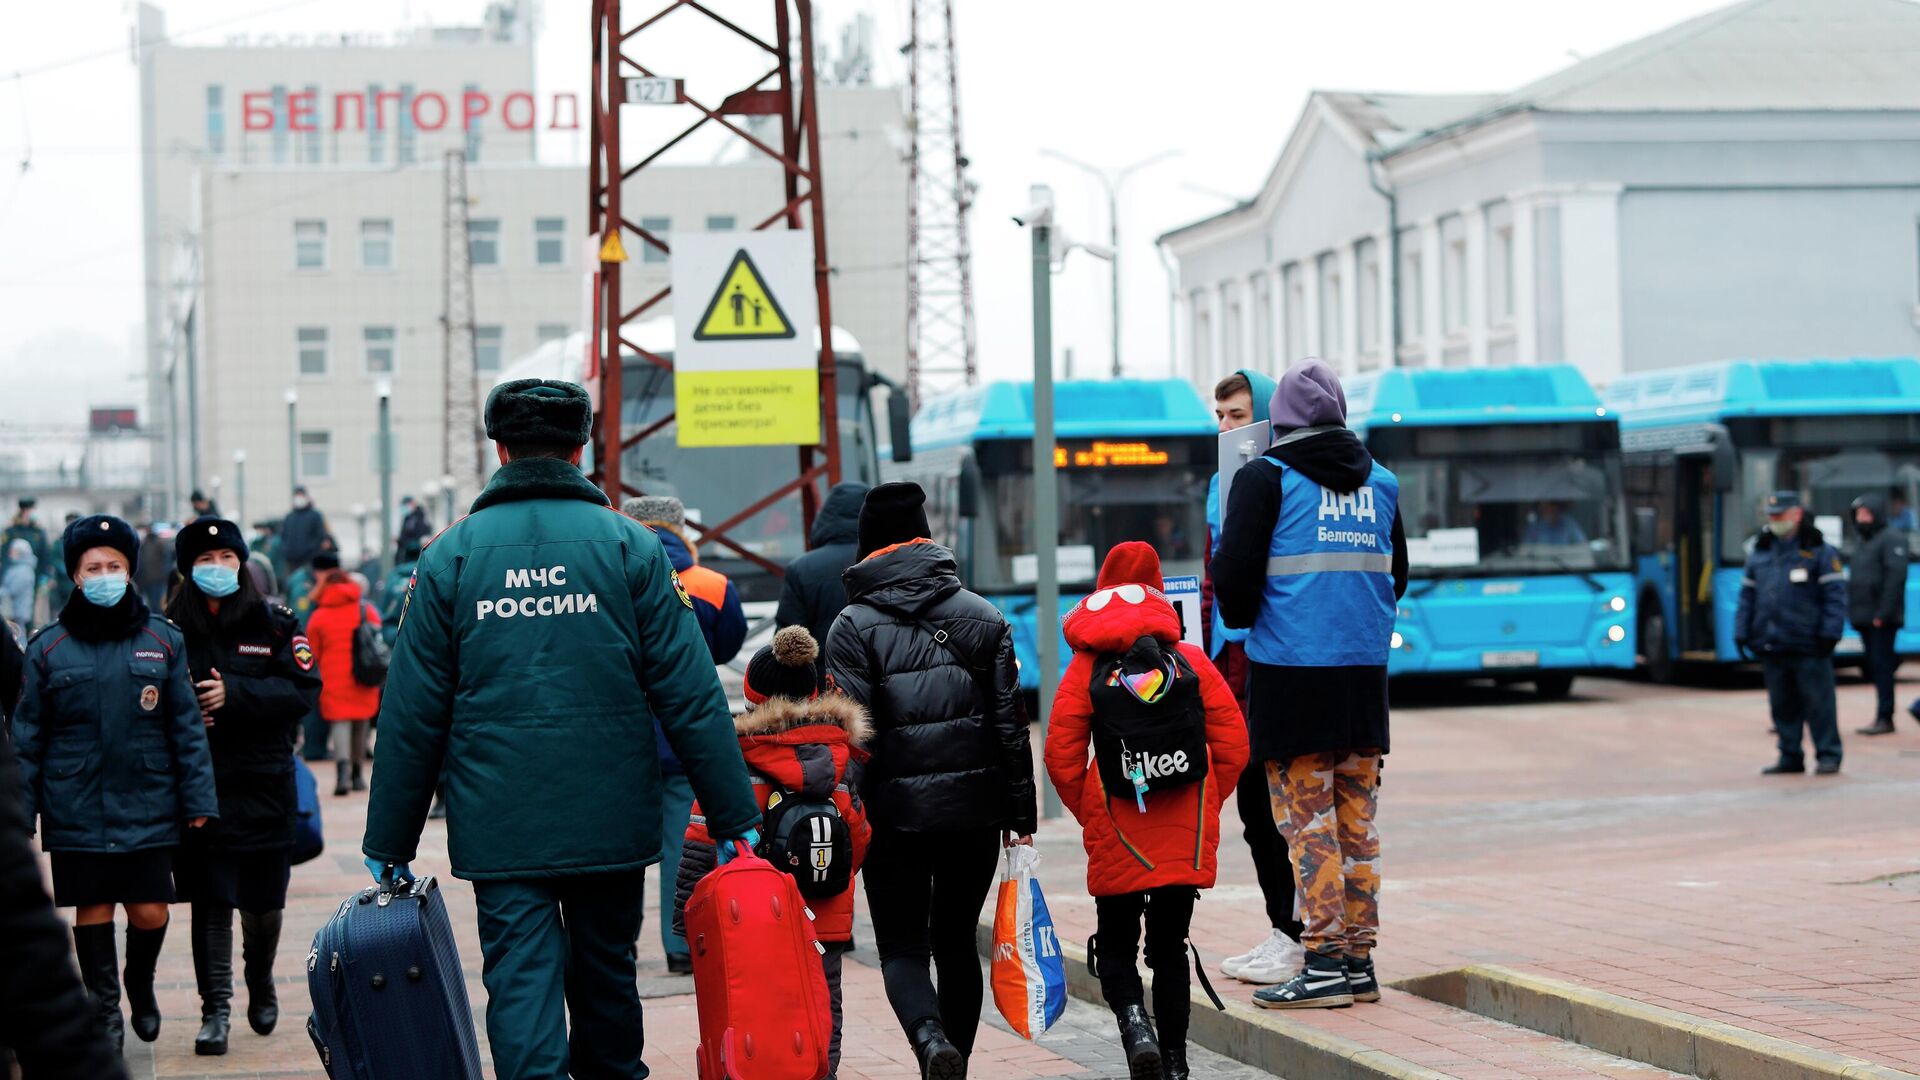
column 254, row 673
column 113, row 759
column 541, row 637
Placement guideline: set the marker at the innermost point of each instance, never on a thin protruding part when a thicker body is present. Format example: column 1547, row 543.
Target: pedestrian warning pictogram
column 743, row 308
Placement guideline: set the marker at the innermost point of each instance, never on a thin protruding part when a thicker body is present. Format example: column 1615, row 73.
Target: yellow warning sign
column 743, row 308
column 611, row 250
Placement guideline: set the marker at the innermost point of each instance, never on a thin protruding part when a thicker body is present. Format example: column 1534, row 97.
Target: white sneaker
column 1276, row 960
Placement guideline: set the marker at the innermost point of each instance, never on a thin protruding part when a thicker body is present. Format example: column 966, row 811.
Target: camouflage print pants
column 1324, row 805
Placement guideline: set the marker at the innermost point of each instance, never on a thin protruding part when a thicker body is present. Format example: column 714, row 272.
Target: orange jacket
column 330, row 630
column 789, row 744
column 1175, row 842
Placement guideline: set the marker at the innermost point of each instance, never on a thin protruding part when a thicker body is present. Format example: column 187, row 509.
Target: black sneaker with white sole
column 1360, row 979
column 1322, row 985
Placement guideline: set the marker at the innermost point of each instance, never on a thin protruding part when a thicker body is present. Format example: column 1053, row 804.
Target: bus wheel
column 1653, row 645
column 1554, row 687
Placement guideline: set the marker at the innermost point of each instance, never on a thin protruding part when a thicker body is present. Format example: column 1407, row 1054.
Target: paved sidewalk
column 1080, row 1046
column 1624, row 841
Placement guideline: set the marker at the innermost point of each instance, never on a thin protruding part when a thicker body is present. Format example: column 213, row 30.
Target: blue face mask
column 215, row 580
column 105, row 590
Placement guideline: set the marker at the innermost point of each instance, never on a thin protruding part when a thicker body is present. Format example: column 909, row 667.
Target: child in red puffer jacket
column 802, row 744
column 1149, row 852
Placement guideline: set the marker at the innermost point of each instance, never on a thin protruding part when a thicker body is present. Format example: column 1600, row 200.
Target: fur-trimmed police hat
column 203, row 535
column 100, row 530
column 539, row 412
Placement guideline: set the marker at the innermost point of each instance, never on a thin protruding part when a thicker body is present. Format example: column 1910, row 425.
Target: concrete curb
column 1635, row 1030
column 1264, row 1039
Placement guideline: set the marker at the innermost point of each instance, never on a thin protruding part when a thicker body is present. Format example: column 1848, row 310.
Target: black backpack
column 1148, row 716
column 807, row 838
column 371, row 654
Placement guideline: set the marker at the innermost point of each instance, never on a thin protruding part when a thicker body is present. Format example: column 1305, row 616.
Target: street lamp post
column 448, row 485
column 1111, row 180
column 360, row 528
column 293, row 438
column 240, row 486
column 385, row 391
column 1046, row 492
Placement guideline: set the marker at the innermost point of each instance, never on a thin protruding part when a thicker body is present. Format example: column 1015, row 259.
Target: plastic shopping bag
column 1029, row 975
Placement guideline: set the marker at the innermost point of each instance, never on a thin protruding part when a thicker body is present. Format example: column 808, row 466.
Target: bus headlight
column 1616, row 633
column 1618, row 603
column 1397, row 641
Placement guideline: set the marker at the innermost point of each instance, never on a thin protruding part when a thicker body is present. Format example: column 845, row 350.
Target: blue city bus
column 1134, row 460
column 1513, row 504
column 1705, row 444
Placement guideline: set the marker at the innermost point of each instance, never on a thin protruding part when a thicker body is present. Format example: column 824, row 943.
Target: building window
column 1202, row 335
column 311, row 342
column 216, row 121
column 374, row 453
column 279, row 125
column 376, row 244
column 376, row 128
column 550, row 331
column 376, row 343
column 473, row 132
column 720, row 222
column 310, row 245
column 316, row 455
column 656, row 226
column 1413, row 297
column 310, row 140
column 549, row 241
column 1500, row 276
column 483, row 241
column 403, row 121
column 1234, row 324
column 1263, row 343
column 489, row 343
column 1332, row 345
column 1296, row 300
column 1453, row 287
column 1368, row 297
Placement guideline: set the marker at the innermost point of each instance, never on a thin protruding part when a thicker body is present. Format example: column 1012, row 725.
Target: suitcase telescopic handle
column 389, row 882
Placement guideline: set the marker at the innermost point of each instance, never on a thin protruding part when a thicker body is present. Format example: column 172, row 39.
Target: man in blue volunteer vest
column 1238, row 400
column 541, row 636
column 1312, row 561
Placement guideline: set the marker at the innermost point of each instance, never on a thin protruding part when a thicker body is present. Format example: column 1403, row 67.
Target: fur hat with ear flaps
column 785, row 668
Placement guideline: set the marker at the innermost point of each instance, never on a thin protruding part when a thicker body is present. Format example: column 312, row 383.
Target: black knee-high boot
column 143, row 953
column 213, row 971
column 93, row 947
column 259, row 941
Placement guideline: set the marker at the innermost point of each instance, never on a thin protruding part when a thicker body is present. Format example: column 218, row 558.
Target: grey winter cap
column 1309, row 395
column 664, row 509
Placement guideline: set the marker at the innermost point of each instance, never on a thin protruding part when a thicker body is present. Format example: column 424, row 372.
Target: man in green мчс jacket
column 542, row 635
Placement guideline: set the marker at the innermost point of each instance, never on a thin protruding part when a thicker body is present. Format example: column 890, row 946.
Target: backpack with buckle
column 1149, row 722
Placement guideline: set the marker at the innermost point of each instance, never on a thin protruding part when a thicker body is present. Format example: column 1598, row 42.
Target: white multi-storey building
column 1742, row 184
column 287, row 263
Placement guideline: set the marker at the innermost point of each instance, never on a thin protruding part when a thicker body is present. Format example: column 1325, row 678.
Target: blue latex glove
column 378, row 869
column 727, row 851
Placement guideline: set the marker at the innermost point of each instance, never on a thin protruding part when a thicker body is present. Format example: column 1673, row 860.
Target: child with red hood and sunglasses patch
column 1145, row 742
column 804, row 750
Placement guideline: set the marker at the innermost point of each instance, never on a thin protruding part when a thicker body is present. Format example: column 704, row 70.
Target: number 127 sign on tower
column 746, row 366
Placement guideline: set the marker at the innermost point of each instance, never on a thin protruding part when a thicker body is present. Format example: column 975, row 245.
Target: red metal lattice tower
column 786, row 92
column 940, row 331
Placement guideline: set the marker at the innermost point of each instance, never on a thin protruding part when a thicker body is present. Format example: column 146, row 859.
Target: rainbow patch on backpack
column 1147, row 687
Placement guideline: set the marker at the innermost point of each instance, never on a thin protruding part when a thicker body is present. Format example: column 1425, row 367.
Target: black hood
column 838, row 521
column 1332, row 457
column 1807, row 539
column 89, row 621
column 1875, row 506
column 910, row 578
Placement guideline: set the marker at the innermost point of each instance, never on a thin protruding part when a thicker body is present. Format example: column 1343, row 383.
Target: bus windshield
column 1831, row 461
column 1110, row 492
column 1535, row 499
column 718, row 482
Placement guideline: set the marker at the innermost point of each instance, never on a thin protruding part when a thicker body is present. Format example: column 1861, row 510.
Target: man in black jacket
column 951, row 765
column 1791, row 613
column 814, row 594
column 303, row 534
column 1877, row 601
column 44, row 1013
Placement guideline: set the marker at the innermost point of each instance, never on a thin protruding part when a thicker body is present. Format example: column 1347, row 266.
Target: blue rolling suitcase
column 389, row 996
column 308, row 841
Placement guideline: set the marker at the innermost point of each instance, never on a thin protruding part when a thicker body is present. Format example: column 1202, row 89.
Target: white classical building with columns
column 1743, row 184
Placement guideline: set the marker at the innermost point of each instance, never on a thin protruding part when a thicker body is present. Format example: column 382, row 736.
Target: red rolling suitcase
column 762, row 998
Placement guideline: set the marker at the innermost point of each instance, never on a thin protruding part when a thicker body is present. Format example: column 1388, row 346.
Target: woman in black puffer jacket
column 951, row 768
